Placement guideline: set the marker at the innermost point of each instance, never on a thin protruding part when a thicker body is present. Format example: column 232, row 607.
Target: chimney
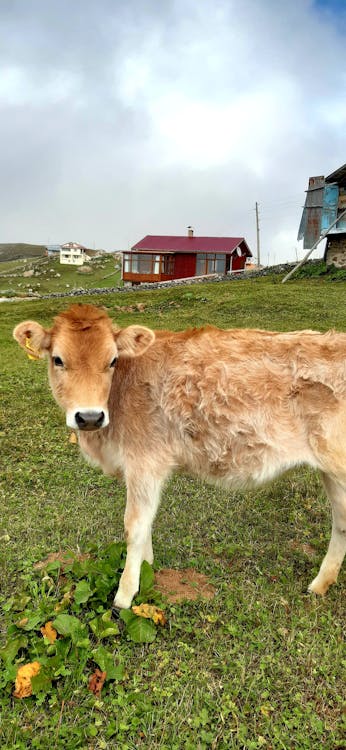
column 189, row 232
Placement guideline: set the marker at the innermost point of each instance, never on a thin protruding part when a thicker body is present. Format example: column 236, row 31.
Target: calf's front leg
column 143, row 497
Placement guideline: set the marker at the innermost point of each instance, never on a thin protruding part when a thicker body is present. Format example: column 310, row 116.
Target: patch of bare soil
column 180, row 585
column 175, row 585
column 303, row 547
column 62, row 557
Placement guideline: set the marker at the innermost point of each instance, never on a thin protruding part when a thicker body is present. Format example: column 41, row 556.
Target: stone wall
column 336, row 251
column 283, row 268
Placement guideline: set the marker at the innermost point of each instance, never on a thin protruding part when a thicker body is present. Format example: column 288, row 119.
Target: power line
column 286, row 200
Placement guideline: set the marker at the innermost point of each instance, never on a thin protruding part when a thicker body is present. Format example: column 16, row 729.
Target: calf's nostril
column 79, row 419
column 89, row 420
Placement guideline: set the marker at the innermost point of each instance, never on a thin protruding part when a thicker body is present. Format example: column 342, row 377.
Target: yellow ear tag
column 34, row 353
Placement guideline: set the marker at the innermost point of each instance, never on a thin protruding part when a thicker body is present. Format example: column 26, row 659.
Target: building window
column 148, row 264
column 210, row 263
column 168, row 265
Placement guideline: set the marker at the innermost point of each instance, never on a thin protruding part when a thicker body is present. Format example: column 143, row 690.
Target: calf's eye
column 113, row 362
column 58, row 362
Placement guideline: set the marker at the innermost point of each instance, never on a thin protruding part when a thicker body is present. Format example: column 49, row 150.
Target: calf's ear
column 33, row 338
column 133, row 340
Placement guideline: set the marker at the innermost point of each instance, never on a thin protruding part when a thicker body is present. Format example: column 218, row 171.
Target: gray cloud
column 122, row 119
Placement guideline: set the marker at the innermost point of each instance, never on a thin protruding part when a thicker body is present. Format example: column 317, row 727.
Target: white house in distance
column 72, row 253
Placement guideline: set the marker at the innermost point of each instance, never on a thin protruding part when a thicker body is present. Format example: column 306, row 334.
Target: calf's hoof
column 318, row 588
column 122, row 602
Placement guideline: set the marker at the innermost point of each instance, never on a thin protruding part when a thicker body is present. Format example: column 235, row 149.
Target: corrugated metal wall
column 330, row 206
column 310, row 225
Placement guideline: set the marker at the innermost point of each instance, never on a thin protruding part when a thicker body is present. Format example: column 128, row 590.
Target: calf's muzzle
column 90, row 420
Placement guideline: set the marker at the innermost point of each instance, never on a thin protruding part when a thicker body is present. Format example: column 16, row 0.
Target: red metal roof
column 185, row 244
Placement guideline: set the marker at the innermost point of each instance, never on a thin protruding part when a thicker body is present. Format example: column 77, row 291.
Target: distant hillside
column 18, row 250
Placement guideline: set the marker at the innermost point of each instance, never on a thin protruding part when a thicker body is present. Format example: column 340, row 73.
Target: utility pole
column 258, row 237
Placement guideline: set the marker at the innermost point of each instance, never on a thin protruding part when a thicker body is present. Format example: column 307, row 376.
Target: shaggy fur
column 236, row 407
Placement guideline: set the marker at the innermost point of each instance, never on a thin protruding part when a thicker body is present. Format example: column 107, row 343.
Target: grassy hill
column 260, row 666
column 50, row 276
column 16, row 250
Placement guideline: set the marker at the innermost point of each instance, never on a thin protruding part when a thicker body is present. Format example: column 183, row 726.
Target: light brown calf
column 236, row 407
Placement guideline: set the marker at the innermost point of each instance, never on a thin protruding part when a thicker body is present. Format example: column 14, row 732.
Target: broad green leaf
column 18, row 603
column 68, row 625
column 105, row 660
column 137, row 628
column 103, row 580
column 83, row 642
column 31, row 624
column 53, row 567
column 62, row 671
column 8, row 674
column 80, row 568
column 147, row 579
column 11, row 648
column 82, row 592
column 104, row 626
column 8, row 605
column 114, row 554
column 42, row 682
column 62, row 647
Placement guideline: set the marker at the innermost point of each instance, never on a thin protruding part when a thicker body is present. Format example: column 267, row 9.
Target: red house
column 163, row 258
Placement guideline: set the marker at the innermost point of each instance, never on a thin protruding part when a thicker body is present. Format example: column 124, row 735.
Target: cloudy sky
column 120, row 118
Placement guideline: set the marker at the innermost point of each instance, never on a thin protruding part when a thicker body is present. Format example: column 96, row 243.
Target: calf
column 236, row 407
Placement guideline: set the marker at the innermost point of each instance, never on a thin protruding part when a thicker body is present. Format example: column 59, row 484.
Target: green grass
column 14, row 250
column 331, row 273
column 260, row 666
column 51, row 276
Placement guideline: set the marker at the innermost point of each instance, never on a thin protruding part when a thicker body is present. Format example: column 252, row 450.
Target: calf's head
column 83, row 348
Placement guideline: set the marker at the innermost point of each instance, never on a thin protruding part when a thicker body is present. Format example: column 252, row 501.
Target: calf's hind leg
column 337, row 546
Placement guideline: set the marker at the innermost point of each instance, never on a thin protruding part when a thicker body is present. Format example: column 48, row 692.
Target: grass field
column 262, row 665
column 14, row 250
column 51, row 276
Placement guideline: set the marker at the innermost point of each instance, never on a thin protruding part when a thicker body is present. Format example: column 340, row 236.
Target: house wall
column 184, row 265
column 336, row 251
column 71, row 257
column 238, row 262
